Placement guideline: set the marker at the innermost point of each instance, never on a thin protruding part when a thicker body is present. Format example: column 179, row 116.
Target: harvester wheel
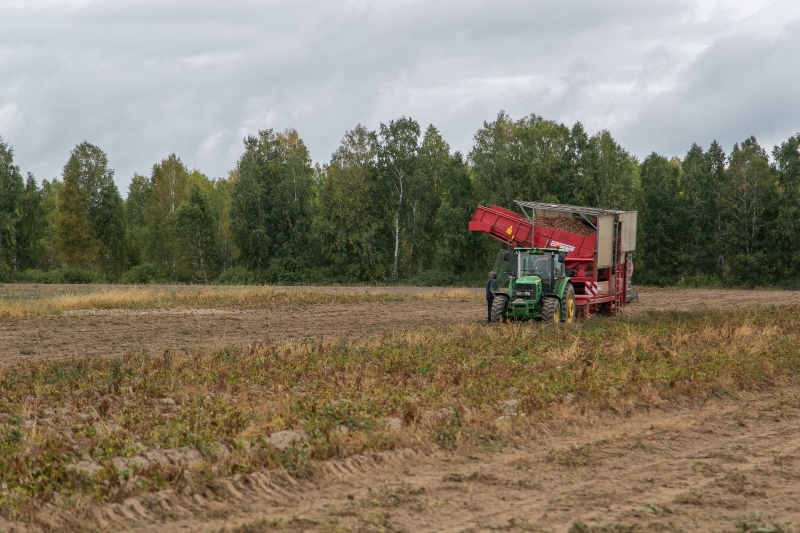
column 499, row 308
column 551, row 312
column 568, row 304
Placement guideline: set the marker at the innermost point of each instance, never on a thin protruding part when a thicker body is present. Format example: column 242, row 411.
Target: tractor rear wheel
column 551, row 312
column 568, row 304
column 499, row 308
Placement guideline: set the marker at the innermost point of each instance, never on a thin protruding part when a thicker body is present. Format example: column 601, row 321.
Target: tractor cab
column 543, row 268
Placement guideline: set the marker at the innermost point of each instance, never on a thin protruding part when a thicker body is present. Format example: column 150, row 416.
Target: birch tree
column 167, row 188
column 750, row 188
column 397, row 157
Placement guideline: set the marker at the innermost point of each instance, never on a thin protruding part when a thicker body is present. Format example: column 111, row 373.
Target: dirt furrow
column 728, row 465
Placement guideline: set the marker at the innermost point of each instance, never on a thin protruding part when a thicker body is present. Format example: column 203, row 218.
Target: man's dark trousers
column 489, row 294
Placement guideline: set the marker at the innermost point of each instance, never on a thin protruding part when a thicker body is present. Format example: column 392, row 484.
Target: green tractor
column 531, row 283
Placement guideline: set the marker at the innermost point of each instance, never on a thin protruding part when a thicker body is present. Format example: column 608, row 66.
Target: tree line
column 393, row 204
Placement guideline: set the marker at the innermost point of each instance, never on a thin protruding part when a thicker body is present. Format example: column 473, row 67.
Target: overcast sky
column 145, row 78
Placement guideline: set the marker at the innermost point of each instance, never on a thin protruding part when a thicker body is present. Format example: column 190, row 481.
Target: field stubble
column 83, row 431
column 34, row 300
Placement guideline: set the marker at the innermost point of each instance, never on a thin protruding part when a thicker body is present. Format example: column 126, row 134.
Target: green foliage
column 350, row 235
column 701, row 185
column 289, row 271
column 712, row 219
column 143, row 274
column 12, row 196
column 48, row 258
column 611, row 174
column 540, row 160
column 434, row 278
column 91, row 224
column 516, row 160
column 193, row 226
column 397, row 160
column 749, row 192
column 271, row 200
column 160, row 198
column 432, row 168
column 14, row 436
column 219, row 203
column 135, row 210
column 661, row 225
column 394, row 204
column 457, row 250
column 177, row 219
column 237, row 276
column 108, row 225
column 391, row 204
column 76, row 245
column 784, row 232
column 31, row 225
column 58, row 276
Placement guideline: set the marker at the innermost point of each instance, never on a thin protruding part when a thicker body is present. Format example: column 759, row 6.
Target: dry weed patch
column 83, row 430
column 201, row 297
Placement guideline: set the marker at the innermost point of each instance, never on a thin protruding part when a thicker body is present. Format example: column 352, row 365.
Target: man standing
column 490, row 294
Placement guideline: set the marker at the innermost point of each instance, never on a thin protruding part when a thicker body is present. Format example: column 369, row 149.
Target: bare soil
column 114, row 333
column 710, row 299
column 726, row 465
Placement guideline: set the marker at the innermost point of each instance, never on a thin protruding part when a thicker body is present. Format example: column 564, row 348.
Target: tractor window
column 534, row 265
column 559, row 264
column 503, row 268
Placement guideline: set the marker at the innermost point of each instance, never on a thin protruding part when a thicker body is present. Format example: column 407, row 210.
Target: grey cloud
column 740, row 86
column 143, row 79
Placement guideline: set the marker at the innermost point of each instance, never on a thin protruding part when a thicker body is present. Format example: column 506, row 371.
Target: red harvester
column 597, row 259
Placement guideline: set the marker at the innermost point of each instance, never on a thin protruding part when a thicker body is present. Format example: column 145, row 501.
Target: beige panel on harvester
column 605, row 241
column 628, row 220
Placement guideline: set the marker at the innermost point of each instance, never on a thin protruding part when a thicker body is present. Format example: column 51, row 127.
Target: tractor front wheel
column 568, row 304
column 551, row 312
column 499, row 308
